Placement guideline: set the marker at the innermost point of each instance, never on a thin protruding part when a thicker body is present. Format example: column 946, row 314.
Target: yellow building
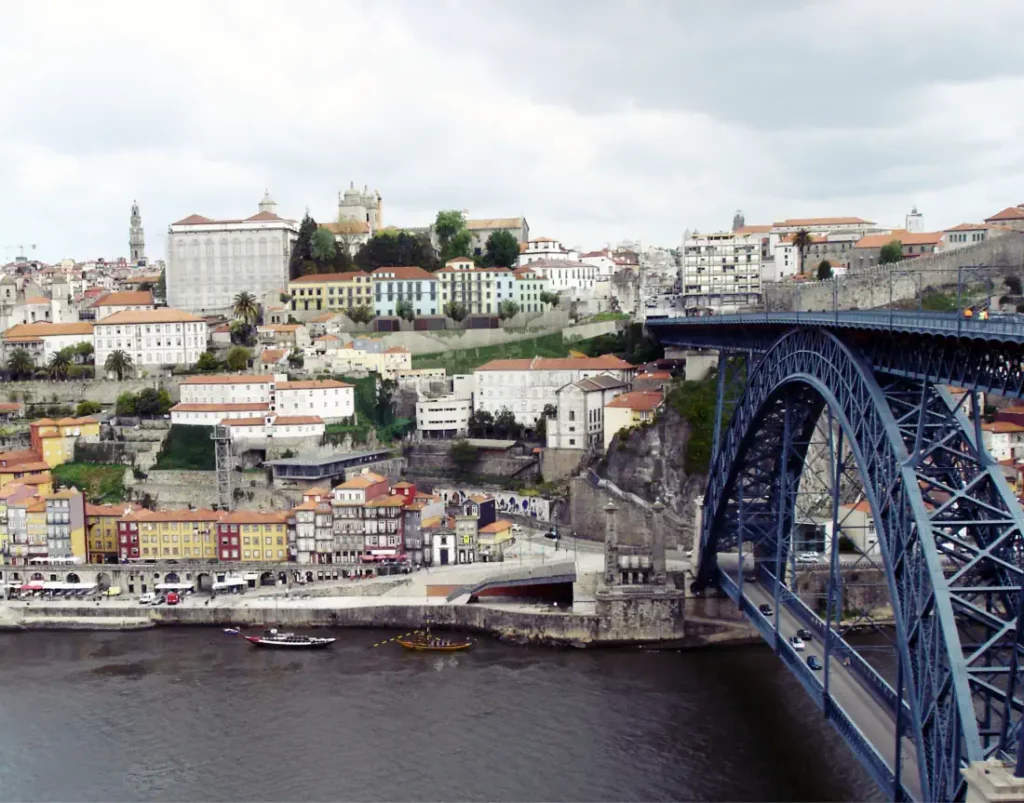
column 170, row 534
column 493, row 539
column 25, row 467
column 331, row 291
column 35, row 529
column 630, row 410
column 249, row 535
column 54, row 441
column 101, row 532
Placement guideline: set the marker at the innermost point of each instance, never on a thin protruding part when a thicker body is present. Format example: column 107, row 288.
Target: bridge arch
column 906, row 439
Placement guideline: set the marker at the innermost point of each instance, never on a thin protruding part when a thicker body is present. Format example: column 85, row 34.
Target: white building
column 723, row 270
column 210, row 261
column 832, row 239
column 43, row 340
column 545, row 248
column 329, row 399
column 445, row 417
column 274, row 426
column 565, row 274
column 525, row 386
column 1004, row 440
column 200, row 414
column 579, row 422
column 252, row 395
column 970, row 233
column 527, row 288
column 387, row 362
column 412, row 284
column 229, row 389
column 151, row 338
column 127, row 301
column 603, row 261
column 481, row 290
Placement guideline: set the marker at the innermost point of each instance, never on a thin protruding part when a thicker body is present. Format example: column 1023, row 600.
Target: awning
column 32, row 587
column 173, row 586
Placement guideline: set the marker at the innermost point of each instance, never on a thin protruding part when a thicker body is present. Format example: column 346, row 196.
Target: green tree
column 540, row 429
column 160, row 291
column 447, row 224
column 118, row 362
column 508, row 309
column 238, row 358
column 549, row 411
column 464, row 457
column 246, row 308
column 84, row 350
column 891, row 252
column 481, row 422
column 20, row 364
column 165, row 402
column 390, row 248
column 361, row 314
column 87, row 407
column 824, row 270
column 126, row 404
column 207, row 363
column 322, row 246
column 801, row 240
column 59, row 365
column 501, row 249
column 456, row 310
column 384, row 402
column 551, row 299
column 295, row 359
column 301, row 249
column 404, row 309
column 505, row 424
column 147, row 403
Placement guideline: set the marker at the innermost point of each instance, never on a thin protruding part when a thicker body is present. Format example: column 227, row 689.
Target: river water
column 195, row 714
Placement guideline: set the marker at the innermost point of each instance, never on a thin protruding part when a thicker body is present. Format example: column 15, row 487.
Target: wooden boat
column 425, row 642
column 290, row 641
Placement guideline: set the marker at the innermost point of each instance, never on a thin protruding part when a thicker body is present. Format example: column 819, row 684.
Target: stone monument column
column 659, row 571
column 611, row 545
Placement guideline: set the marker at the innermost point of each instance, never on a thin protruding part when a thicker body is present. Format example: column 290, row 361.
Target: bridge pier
column 991, row 781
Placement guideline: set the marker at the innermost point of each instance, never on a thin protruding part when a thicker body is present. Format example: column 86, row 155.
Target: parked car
column 814, row 663
column 517, row 528
column 765, row 609
column 172, row 598
column 146, row 599
column 552, row 534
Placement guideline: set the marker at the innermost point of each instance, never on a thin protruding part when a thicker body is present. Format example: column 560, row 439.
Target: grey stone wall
column 104, row 391
column 586, row 517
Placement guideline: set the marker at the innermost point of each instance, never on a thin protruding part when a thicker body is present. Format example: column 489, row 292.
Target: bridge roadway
column 871, row 717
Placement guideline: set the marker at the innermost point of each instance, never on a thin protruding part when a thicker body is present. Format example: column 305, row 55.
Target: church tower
column 136, row 237
column 268, row 204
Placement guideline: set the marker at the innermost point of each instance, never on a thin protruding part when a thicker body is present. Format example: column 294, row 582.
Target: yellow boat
column 424, row 642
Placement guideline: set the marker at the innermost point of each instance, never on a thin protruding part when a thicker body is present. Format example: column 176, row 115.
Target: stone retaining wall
column 72, row 391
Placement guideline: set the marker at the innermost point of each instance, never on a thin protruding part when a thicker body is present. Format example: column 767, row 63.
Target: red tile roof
column 193, row 407
column 312, row 384
column 639, row 400
column 127, row 298
column 402, row 273
column 319, row 278
column 1010, row 213
column 905, row 237
column 821, row 221
column 229, row 379
column 292, row 420
column 605, row 362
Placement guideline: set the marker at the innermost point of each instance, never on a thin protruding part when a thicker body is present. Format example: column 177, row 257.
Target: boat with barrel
column 275, row 639
column 425, row 641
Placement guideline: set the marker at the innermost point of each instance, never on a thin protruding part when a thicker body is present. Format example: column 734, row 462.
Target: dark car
column 814, row 663
column 805, row 634
column 765, row 609
column 552, row 535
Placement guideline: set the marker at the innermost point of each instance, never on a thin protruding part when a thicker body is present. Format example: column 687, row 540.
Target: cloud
column 596, row 120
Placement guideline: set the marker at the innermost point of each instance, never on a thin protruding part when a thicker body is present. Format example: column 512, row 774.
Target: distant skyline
column 598, row 121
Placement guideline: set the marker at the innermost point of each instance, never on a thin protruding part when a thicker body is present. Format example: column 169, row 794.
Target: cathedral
column 364, row 207
column 136, row 238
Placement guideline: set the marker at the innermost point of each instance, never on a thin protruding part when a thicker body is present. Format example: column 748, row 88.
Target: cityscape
column 696, row 427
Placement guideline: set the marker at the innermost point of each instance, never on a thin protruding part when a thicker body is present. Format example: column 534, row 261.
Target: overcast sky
column 598, row 121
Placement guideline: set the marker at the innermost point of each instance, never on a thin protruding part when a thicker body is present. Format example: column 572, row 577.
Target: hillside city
column 379, row 398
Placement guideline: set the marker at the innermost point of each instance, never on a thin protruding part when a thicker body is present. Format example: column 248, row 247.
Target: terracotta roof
column 639, row 400
column 243, row 422
column 905, row 237
column 481, row 498
column 1010, row 213
column 406, row 273
column 754, row 229
column 16, row 488
column 654, row 375
column 814, row 239
column 34, row 331
column 10, row 407
column 64, row 493
column 325, row 338
column 18, row 456
column 347, row 227
column 192, row 220
column 265, row 216
column 36, row 507
column 292, row 420
column 604, row 362
column 162, row 315
column 387, row 501
column 37, row 300
column 312, row 384
column 201, row 514
column 229, row 379
column 28, row 465
column 363, row 481
column 105, row 510
column 322, row 278
column 542, row 240
column 37, row 479
column 861, row 507
column 126, row 298
column 287, row 328
column 495, row 223
column 255, row 517
column 821, row 221
column 199, row 220
column 496, row 527
column 191, row 407
column 1002, row 426
column 972, row 227
column 397, row 350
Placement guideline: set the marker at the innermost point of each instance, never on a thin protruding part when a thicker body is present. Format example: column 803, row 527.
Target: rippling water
column 196, row 715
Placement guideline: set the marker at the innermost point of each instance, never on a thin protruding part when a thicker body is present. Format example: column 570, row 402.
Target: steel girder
column 950, row 533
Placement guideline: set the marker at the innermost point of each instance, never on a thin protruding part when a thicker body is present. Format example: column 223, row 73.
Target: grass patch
column 695, row 402
column 187, row 448
column 102, row 483
column 465, row 361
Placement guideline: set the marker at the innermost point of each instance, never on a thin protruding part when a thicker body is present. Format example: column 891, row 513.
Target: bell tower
column 136, row 237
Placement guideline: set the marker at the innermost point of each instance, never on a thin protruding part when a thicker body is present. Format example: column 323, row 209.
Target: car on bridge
column 805, row 634
column 814, row 663
column 765, row 609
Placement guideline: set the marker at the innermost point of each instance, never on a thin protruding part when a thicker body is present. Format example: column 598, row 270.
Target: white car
column 807, row 557
column 797, row 644
column 517, row 528
column 146, row 599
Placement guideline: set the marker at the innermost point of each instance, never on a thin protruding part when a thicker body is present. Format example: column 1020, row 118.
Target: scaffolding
column 222, row 450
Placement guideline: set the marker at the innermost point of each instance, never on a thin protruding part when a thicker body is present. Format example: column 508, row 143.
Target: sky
column 598, row 121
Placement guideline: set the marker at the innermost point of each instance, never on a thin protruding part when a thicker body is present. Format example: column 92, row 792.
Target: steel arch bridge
column 950, row 531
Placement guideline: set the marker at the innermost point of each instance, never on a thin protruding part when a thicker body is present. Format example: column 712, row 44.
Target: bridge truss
column 950, row 538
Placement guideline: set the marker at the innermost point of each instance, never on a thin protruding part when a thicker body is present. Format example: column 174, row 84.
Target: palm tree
column 800, row 241
column 59, row 366
column 20, row 363
column 118, row 362
column 246, row 308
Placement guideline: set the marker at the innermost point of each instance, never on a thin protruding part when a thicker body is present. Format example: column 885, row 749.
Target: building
column 967, row 234
column 333, row 292
column 528, row 289
column 329, row 399
column 526, row 386
column 439, row 535
column 480, row 290
column 482, row 228
column 13, row 538
column 566, row 274
column 65, row 524
column 578, row 422
column 53, row 441
column 370, row 357
column 1004, row 440
column 834, row 247
column 152, row 338
column 136, row 237
column 168, row 534
column 1012, row 217
column 27, row 468
column 444, row 417
column 410, row 284
column 261, row 428
column 859, row 526
column 123, row 301
column 287, row 335
column 209, row 261
column 481, row 507
column 383, row 532
column 493, row 539
column 249, row 535
column 466, row 531
column 43, row 340
column 361, row 207
column 544, row 248
column 101, row 531
column 419, row 509
column 630, row 410
column 867, row 250
column 723, row 270
column 207, row 400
